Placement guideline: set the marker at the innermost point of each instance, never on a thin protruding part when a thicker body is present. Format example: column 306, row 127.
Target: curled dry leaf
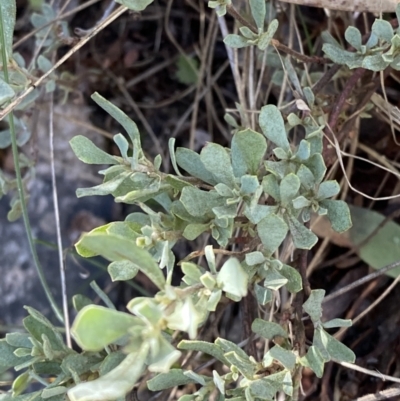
column 373, row 6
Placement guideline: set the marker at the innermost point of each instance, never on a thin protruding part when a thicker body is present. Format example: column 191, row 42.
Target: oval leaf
column 95, row 327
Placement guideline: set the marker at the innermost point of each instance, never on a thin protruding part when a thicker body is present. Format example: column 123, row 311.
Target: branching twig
column 274, row 42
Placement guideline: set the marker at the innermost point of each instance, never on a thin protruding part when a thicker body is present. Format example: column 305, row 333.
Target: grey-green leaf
column 258, row 11
column 248, row 149
column 336, row 349
column 117, row 248
column 295, row 283
column 8, row 13
column 314, row 360
column 267, row 329
column 273, row 127
column 327, row 189
column 190, row 161
column 122, row 270
column 383, row 29
column 353, row 36
column 217, row 161
column 86, row 151
column 285, row 357
column 266, row 37
column 175, row 377
column 272, row 231
column 206, row 347
column 135, row 5
column 288, row 188
column 338, row 214
column 235, row 41
column 129, row 126
column 6, row 92
column 303, row 238
column 337, row 323
column 313, row 305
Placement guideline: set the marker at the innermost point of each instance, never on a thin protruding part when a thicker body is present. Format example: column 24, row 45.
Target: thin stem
column 20, row 187
column 274, row 42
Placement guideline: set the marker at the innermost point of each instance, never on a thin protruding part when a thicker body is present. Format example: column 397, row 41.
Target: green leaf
column 95, row 327
column 375, row 62
column 271, row 187
column 353, row 36
column 219, row 382
column 317, row 166
column 118, row 248
column 258, row 11
column 192, row 231
column 106, row 188
column 288, row 188
column 303, row 238
column 274, row 280
column 111, row 361
column 313, row 305
column 383, row 248
column 254, row 258
column 268, row 330
column 327, row 189
column 118, row 381
column 306, row 177
column 86, row 151
column 248, row 149
column 303, row 150
column 190, row 161
column 162, row 354
column 266, row 37
column 229, row 346
column 6, row 93
column 232, row 278
column 263, row 295
column 272, row 231
column 337, row 323
column 247, row 33
column 175, row 377
column 7, row 357
column 44, row 64
column 185, row 317
column 273, row 127
column 335, row 348
column 135, row 5
column 19, row 340
column 200, row 203
column 8, row 12
column 235, row 41
column 122, row 144
column 129, row 126
column 301, row 202
column 285, row 357
column 187, row 70
column 122, row 270
column 341, row 56
column 383, row 30
column 20, row 383
column 338, row 214
column 243, row 364
column 80, row 301
column 262, row 390
column 295, row 283
column 217, row 161
column 37, row 325
column 53, row 391
column 203, row 346
column 314, row 360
